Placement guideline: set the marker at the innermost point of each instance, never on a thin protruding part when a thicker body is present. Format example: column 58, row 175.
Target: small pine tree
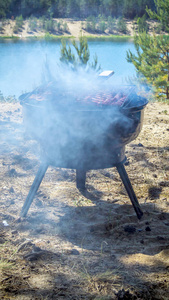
column 18, row 24
column 33, row 24
column 121, row 25
column 102, row 24
column 65, row 27
column 152, row 53
column 66, row 54
column 111, row 22
column 91, row 24
column 82, row 51
column 152, row 61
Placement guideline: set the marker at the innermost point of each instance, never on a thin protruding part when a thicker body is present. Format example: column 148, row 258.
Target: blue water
column 22, row 63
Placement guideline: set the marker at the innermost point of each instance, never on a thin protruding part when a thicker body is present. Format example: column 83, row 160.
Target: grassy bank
column 49, row 36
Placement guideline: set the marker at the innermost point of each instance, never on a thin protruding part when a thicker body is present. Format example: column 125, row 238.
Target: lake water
column 22, row 62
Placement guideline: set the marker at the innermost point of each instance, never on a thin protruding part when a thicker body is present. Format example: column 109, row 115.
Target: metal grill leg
column 81, row 179
column 36, row 183
column 124, row 177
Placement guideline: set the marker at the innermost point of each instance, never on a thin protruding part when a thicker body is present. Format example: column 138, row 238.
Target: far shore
column 75, row 29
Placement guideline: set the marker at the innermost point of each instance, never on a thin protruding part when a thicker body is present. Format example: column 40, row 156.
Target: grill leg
column 36, row 183
column 80, row 179
column 124, row 177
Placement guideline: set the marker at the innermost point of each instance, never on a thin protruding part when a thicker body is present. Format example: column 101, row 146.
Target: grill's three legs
column 124, row 177
column 80, row 183
column 34, row 188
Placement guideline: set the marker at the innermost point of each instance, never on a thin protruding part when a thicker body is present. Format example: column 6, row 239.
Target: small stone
column 14, row 232
column 12, row 173
column 127, row 163
column 155, row 175
column 11, row 190
column 38, row 203
column 108, row 226
column 75, row 252
column 140, row 145
column 147, row 228
column 164, row 183
column 129, row 229
column 32, row 256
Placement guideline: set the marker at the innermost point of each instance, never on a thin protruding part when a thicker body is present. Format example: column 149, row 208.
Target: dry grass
column 74, row 246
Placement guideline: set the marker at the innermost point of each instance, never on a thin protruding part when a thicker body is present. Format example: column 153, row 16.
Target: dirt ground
column 91, row 245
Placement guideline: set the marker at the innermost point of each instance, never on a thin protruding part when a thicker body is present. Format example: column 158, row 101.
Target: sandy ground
column 91, row 245
column 75, row 29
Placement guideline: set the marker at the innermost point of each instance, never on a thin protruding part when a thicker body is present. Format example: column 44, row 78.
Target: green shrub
column 33, row 24
column 158, row 28
column 42, row 21
column 50, row 25
column 102, row 26
column 1, row 27
column 65, row 27
column 59, row 26
column 121, row 25
column 111, row 24
column 18, row 24
column 91, row 24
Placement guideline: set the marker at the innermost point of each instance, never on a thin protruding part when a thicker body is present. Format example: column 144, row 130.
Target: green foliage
column 66, row 54
column 161, row 13
column 42, row 22
column 59, row 25
column 142, row 24
column 158, row 28
column 1, row 27
column 152, row 58
column 74, row 8
column 111, row 23
column 91, row 24
column 49, row 25
column 4, row 7
column 152, row 61
column 81, row 55
column 65, row 27
column 132, row 8
column 18, row 24
column 82, row 50
column 102, row 24
column 121, row 25
column 33, row 24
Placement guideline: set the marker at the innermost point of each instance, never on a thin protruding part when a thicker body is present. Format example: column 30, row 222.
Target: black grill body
column 83, row 137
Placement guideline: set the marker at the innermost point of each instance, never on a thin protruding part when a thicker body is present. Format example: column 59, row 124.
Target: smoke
column 71, row 132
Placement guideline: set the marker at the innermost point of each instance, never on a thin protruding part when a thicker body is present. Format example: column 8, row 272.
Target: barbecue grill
column 83, row 133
